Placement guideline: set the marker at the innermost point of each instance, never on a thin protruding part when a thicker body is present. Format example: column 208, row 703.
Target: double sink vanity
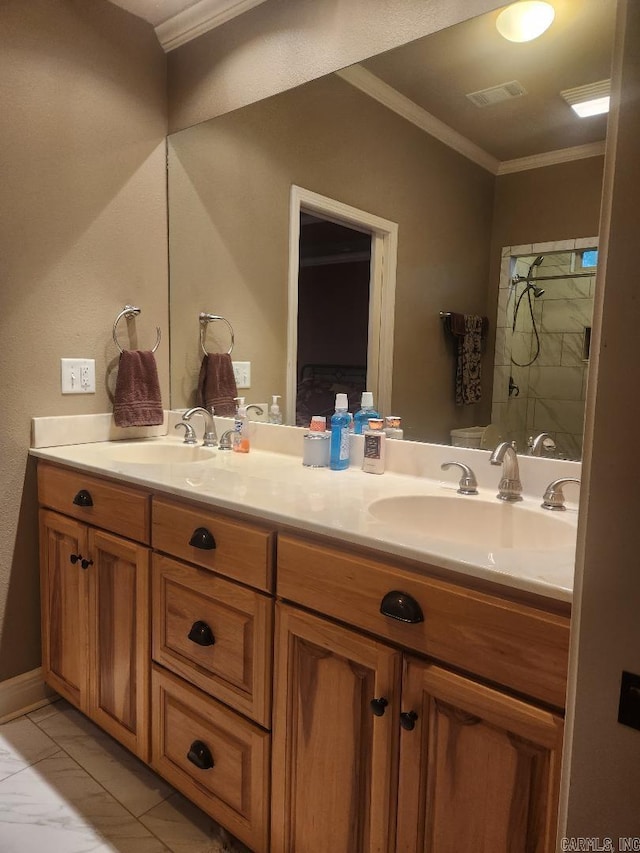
column 322, row 661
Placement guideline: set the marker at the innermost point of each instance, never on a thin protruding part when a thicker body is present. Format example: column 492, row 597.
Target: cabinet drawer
column 217, row 759
column 240, row 551
column 119, row 509
column 215, row 633
column 513, row 644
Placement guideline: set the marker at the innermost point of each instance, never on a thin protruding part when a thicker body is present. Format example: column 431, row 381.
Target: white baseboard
column 24, row 693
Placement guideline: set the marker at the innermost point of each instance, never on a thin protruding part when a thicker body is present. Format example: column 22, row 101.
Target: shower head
column 536, row 263
column 537, row 291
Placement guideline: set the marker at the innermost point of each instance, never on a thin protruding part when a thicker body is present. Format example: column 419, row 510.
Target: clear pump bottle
column 241, row 443
column 275, row 415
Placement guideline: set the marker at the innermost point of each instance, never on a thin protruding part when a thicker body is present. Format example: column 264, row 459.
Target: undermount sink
column 157, row 453
column 474, row 521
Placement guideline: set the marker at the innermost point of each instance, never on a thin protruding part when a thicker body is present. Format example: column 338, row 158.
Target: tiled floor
column 67, row 787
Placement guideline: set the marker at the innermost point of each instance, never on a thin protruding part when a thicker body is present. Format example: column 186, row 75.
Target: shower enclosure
column 543, row 333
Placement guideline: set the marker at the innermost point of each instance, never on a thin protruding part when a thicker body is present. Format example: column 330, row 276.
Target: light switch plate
column 242, row 373
column 78, row 375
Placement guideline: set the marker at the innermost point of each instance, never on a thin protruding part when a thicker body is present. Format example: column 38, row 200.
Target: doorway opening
column 341, row 306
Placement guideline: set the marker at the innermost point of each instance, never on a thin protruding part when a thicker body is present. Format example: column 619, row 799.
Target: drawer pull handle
column 200, row 755
column 83, row 498
column 401, row 606
column 85, row 563
column 378, row 706
column 408, row 720
column 201, row 634
column 203, row 539
column 73, row 558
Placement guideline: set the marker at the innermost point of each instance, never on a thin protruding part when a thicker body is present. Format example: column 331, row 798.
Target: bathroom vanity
column 240, row 649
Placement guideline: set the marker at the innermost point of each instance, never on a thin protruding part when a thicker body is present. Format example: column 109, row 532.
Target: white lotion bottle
column 275, row 415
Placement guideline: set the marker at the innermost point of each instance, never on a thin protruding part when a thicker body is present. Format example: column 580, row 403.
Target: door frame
column 382, row 290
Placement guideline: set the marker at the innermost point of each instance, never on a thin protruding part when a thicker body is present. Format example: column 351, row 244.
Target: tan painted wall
column 602, row 771
column 229, row 189
column 82, row 232
column 283, row 43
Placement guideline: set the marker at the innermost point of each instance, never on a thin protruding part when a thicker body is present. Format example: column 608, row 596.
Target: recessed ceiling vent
column 495, row 94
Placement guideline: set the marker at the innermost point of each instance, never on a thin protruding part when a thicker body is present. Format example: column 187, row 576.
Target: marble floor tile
column 55, row 806
column 121, row 773
column 22, row 743
column 184, row 828
column 47, row 710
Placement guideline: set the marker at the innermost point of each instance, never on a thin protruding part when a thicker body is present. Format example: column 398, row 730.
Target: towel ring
column 205, row 319
column 128, row 312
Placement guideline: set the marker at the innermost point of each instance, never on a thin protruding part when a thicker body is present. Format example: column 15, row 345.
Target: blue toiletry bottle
column 361, row 417
column 340, row 422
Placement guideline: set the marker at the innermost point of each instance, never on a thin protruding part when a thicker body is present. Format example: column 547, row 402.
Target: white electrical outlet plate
column 78, row 375
column 242, row 373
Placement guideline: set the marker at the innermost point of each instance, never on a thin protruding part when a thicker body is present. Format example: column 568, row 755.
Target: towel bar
column 131, row 311
column 205, row 319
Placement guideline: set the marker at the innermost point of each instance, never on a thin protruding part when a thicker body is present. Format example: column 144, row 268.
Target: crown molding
column 551, row 158
column 373, row 86
column 198, row 19
column 380, row 91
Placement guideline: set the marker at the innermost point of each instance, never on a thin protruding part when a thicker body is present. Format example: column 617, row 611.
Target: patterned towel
column 469, row 329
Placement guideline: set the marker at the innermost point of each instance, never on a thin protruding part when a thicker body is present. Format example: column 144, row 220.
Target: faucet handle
column 554, row 496
column 189, row 432
column 468, row 484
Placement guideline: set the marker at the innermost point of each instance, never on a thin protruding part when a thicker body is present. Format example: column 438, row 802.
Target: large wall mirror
column 398, row 138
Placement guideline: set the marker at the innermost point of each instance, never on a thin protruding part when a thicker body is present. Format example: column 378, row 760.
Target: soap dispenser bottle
column 340, row 423
column 241, row 442
column 275, row 415
column 366, row 411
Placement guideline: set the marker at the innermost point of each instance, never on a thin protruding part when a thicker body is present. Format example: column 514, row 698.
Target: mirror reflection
column 398, row 139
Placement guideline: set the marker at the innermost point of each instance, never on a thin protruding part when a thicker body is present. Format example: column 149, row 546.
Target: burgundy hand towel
column 137, row 399
column 217, row 384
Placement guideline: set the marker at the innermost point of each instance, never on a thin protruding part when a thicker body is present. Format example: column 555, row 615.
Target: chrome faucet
column 226, row 440
column 468, row 484
column 540, row 445
column 259, row 409
column 210, row 436
column 189, row 433
column 510, row 487
column 554, row 496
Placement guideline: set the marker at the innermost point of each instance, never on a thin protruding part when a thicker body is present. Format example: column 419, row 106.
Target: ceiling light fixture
column 591, row 100
column 525, row 21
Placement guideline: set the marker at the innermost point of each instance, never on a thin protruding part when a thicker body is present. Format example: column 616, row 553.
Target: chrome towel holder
column 205, row 319
column 130, row 311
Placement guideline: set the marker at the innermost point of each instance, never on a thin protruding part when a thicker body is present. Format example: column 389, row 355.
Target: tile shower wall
column 550, row 390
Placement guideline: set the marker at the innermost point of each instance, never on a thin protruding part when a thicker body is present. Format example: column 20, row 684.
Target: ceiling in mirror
column 437, row 74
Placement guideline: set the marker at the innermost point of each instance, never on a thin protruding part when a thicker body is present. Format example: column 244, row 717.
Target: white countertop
column 275, row 486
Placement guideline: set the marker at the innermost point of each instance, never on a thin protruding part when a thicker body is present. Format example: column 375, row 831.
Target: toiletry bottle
column 275, row 415
column 374, row 447
column 366, row 411
column 241, row 442
column 340, row 420
column 393, row 426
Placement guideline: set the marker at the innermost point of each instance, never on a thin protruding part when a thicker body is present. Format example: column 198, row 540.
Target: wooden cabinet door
column 334, row 762
column 120, row 647
column 63, row 593
column 479, row 771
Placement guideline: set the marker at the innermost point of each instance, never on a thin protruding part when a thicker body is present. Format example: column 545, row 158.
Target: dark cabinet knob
column 203, row 539
column 73, row 558
column 408, row 720
column 83, row 498
column 200, row 755
column 401, row 606
column 201, row 634
column 85, row 563
column 378, row 706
